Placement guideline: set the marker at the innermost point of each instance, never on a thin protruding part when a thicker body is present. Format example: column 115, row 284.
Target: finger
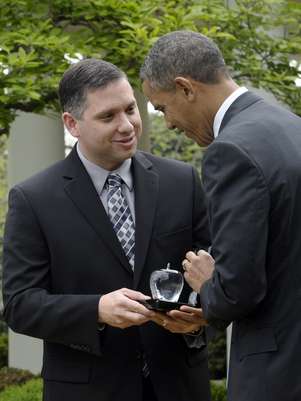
column 135, row 295
column 181, row 327
column 159, row 317
column 141, row 309
column 131, row 318
column 205, row 255
column 189, row 255
column 183, row 316
column 176, row 325
column 157, row 320
column 190, row 319
column 129, row 305
column 191, row 309
column 187, row 276
column 161, row 322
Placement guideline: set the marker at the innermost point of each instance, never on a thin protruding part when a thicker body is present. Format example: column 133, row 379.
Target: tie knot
column 114, row 180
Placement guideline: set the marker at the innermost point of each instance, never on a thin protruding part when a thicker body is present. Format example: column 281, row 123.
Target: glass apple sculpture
column 166, row 284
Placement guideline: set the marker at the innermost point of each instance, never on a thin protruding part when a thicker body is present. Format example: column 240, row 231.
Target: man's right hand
column 121, row 309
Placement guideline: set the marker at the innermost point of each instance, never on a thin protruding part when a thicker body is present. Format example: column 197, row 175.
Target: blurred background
column 261, row 43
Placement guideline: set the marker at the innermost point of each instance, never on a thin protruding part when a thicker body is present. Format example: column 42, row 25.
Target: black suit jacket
column 61, row 254
column 252, row 179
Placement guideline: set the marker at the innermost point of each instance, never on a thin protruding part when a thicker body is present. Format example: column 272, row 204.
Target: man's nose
column 125, row 125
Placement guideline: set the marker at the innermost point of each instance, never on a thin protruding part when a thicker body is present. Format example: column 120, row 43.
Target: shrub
column 29, row 391
column 3, row 325
column 218, row 390
column 11, row 376
column 32, row 391
column 217, row 356
column 3, row 350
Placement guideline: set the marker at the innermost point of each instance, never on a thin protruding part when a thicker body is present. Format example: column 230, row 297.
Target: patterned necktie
column 120, row 216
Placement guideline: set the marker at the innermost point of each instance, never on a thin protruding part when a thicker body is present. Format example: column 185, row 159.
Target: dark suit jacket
column 61, row 253
column 252, row 179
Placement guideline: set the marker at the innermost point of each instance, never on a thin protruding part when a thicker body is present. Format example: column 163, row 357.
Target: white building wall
column 35, row 142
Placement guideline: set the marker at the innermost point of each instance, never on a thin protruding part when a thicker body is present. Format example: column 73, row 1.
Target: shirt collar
column 99, row 174
column 224, row 107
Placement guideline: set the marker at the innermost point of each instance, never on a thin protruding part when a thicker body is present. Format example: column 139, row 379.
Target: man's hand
column 186, row 320
column 121, row 309
column 198, row 268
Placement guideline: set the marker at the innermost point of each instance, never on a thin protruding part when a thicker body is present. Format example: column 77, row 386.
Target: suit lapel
column 80, row 189
column 241, row 103
column 146, row 194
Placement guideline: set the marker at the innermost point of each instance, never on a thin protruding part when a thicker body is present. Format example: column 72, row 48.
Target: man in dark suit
column 81, row 241
column 252, row 180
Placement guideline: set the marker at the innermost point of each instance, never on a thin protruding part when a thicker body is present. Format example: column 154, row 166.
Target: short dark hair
column 82, row 77
column 183, row 53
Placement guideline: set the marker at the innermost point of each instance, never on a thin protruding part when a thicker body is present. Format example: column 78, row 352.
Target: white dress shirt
column 99, row 176
column 224, row 107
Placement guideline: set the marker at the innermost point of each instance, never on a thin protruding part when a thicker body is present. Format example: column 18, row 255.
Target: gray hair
column 86, row 75
column 183, row 53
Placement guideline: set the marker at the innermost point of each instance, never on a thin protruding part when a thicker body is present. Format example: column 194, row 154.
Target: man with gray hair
column 252, row 179
column 81, row 241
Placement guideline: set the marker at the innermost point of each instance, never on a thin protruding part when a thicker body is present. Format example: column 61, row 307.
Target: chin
column 202, row 143
column 131, row 152
column 204, row 140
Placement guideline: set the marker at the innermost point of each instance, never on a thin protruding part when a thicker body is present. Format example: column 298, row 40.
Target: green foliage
column 3, row 350
column 172, row 144
column 11, row 376
column 3, row 208
column 218, row 391
column 31, row 58
column 3, row 326
column 29, row 391
column 32, row 391
column 217, row 356
column 258, row 38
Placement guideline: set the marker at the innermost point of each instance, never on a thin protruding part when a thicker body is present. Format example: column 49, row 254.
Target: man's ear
column 185, row 85
column 71, row 124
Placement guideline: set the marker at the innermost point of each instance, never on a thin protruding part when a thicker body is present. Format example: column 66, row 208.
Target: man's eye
column 160, row 112
column 107, row 117
column 131, row 110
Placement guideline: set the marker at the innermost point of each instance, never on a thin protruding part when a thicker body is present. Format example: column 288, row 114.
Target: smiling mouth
column 125, row 140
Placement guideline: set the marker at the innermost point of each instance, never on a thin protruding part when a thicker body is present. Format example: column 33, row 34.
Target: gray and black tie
column 120, row 216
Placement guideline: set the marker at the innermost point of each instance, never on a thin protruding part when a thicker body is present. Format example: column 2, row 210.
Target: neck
column 208, row 98
column 218, row 93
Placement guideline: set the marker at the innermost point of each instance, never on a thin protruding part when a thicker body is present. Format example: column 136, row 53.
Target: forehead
column 156, row 96
column 116, row 94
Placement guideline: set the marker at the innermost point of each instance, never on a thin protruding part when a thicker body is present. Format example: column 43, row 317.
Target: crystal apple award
column 166, row 284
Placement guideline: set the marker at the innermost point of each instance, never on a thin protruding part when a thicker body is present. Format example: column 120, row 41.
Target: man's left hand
column 198, row 268
column 184, row 321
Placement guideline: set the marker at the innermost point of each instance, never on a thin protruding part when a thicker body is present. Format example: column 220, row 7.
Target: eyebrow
column 158, row 107
column 112, row 110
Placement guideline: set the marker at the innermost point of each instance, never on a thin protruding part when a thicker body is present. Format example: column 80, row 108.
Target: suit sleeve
column 201, row 235
column 30, row 307
column 238, row 206
column 201, row 240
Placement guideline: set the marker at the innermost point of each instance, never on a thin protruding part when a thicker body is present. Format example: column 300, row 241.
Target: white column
column 144, row 143
column 228, row 337
column 35, row 142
